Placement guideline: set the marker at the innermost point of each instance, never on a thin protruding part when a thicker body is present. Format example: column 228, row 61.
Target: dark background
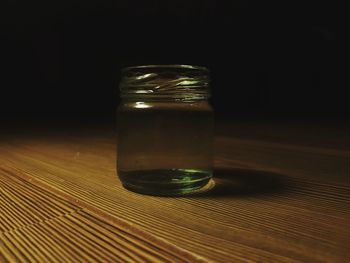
column 61, row 60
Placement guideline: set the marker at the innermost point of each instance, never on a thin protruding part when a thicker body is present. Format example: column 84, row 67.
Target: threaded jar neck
column 165, row 82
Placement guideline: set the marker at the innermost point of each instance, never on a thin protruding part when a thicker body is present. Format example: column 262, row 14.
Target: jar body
column 165, row 147
column 165, row 130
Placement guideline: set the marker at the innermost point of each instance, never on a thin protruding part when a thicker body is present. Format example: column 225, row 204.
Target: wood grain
column 40, row 226
column 273, row 202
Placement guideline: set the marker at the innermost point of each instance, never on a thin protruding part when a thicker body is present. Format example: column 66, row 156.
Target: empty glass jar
column 165, row 129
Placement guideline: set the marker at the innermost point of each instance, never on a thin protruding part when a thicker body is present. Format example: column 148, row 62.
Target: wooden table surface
column 280, row 195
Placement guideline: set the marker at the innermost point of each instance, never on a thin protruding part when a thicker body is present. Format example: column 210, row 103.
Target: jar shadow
column 244, row 182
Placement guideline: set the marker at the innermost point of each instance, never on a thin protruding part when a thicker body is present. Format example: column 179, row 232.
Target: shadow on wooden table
column 243, row 182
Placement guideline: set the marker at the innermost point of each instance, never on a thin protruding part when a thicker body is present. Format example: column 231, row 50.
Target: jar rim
column 166, row 66
column 160, row 82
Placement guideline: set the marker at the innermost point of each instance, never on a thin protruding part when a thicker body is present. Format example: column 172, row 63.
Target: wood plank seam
column 38, row 222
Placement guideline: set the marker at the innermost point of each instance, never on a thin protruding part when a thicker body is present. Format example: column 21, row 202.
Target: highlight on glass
column 165, row 129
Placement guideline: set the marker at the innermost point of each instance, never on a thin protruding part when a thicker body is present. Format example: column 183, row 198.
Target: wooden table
column 282, row 194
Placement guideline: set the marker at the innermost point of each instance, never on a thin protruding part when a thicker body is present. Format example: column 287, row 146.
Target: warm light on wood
column 61, row 201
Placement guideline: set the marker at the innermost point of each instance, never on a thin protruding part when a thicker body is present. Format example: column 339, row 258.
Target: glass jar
column 165, row 129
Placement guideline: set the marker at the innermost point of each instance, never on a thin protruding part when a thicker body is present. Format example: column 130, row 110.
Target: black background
column 61, row 60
